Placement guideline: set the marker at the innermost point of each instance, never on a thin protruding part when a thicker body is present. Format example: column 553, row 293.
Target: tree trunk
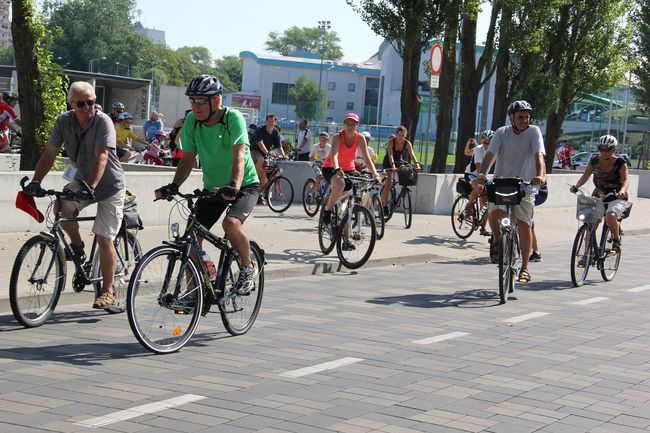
column 446, row 93
column 410, row 100
column 554, row 122
column 501, row 97
column 25, row 40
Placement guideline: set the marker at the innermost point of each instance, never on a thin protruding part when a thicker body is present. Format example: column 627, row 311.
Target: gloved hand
column 228, row 191
column 85, row 194
column 33, row 188
column 167, row 192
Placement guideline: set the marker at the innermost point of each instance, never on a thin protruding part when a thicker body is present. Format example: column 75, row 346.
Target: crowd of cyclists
column 234, row 156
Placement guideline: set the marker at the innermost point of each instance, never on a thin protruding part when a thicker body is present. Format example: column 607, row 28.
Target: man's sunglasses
column 605, row 149
column 199, row 101
column 89, row 102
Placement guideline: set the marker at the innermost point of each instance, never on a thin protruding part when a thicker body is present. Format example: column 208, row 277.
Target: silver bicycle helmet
column 487, row 134
column 204, row 85
column 607, row 142
column 117, row 105
column 519, row 106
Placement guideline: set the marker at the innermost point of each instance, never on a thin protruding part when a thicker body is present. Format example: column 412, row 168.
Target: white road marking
column 321, row 367
column 639, row 289
column 439, row 338
column 123, row 415
column 523, row 317
column 591, row 300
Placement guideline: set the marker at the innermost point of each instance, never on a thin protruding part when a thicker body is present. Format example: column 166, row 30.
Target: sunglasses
column 605, row 149
column 81, row 104
column 199, row 101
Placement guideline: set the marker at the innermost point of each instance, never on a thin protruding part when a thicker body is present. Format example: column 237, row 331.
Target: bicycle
column 279, row 190
column 39, row 272
column 312, row 198
column 587, row 251
column 350, row 227
column 465, row 223
column 407, row 177
column 171, row 288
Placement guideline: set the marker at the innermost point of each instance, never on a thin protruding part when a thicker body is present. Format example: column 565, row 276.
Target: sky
column 229, row 27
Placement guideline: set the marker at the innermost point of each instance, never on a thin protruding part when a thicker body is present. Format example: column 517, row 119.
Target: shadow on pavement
column 9, row 323
column 84, row 354
column 477, row 298
column 453, row 243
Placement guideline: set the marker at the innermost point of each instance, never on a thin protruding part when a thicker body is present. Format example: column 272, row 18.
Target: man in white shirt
column 303, row 141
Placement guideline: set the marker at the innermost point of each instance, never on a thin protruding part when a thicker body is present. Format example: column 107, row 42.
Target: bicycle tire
column 279, row 194
column 238, row 312
column 32, row 303
column 378, row 213
column 505, row 260
column 408, row 210
column 151, row 301
column 310, row 201
column 582, row 250
column 327, row 232
column 462, row 225
column 123, row 270
column 357, row 257
column 609, row 262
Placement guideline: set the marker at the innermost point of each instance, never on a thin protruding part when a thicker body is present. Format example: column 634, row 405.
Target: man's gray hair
column 78, row 87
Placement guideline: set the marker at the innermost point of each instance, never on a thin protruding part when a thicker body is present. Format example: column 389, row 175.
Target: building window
column 331, row 85
column 280, row 94
column 330, row 104
column 349, row 106
column 351, row 87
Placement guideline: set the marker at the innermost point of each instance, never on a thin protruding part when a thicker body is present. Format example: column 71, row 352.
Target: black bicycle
column 171, row 287
column 39, row 272
column 407, row 176
column 279, row 189
column 587, row 252
column 464, row 220
column 312, row 197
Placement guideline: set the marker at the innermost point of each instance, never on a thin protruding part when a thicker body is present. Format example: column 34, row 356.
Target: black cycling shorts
column 209, row 211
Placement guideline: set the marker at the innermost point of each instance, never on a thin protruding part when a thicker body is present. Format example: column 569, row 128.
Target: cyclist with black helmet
column 118, row 108
column 519, row 152
column 218, row 135
column 611, row 180
column 7, row 115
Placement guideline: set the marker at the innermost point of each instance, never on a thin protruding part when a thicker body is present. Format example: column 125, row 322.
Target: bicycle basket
column 407, row 176
column 589, row 209
column 131, row 216
column 506, row 191
column 463, row 187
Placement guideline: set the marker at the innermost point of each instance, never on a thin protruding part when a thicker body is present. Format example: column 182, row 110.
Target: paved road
column 422, row 347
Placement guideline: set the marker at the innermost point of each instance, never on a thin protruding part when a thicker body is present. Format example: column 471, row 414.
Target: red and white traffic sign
column 435, row 63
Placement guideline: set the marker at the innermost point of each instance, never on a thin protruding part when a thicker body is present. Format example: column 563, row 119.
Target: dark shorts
column 256, row 154
column 302, row 157
column 208, row 212
column 328, row 173
column 120, row 152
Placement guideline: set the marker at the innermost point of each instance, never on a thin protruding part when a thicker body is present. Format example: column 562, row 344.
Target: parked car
column 581, row 159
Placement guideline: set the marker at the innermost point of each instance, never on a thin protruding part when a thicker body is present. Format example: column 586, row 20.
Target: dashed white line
column 590, row 300
column 639, row 289
column 321, row 367
column 439, row 338
column 123, row 415
column 523, row 317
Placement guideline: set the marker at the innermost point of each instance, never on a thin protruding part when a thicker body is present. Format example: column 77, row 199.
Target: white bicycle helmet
column 487, row 134
column 607, row 142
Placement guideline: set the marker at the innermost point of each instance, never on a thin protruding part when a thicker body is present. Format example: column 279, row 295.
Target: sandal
column 104, row 300
column 494, row 251
column 524, row 276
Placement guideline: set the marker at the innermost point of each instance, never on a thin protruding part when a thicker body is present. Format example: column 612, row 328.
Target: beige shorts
column 524, row 211
column 109, row 212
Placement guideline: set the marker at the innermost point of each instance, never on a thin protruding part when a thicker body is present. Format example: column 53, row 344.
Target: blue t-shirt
column 151, row 127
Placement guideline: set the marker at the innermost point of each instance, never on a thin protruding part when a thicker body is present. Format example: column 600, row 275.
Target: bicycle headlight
column 174, row 230
column 280, row 170
column 505, row 222
column 581, row 217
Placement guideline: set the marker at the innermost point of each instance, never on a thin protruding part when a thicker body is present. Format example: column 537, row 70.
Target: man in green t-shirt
column 218, row 135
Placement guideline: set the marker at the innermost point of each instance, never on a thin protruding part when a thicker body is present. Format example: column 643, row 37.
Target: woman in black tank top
column 399, row 149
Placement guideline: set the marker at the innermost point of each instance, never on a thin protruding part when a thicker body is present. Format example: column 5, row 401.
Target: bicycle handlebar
column 63, row 194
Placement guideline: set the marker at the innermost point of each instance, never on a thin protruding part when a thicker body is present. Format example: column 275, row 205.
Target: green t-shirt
column 214, row 146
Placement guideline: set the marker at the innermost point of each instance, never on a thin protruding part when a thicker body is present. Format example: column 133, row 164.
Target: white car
column 581, row 159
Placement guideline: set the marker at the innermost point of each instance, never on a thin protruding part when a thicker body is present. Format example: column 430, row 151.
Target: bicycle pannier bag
column 506, row 191
column 407, row 176
column 463, row 187
column 131, row 217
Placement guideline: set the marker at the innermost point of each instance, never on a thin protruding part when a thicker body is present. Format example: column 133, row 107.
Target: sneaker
column 246, row 280
column 260, row 200
column 186, row 303
column 535, row 257
column 348, row 246
column 327, row 217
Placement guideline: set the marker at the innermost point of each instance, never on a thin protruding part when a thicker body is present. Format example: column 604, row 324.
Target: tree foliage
column 642, row 53
column 311, row 39
column 305, row 96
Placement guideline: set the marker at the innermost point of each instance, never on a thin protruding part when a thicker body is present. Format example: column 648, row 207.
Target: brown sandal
column 104, row 300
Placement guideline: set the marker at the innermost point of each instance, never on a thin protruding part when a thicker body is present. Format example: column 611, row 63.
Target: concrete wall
column 644, row 182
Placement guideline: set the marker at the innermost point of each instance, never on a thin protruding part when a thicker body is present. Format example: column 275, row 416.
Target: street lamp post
column 325, row 26
column 90, row 63
column 288, row 82
column 118, row 64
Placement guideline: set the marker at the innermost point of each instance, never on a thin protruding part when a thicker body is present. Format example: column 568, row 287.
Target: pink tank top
column 346, row 155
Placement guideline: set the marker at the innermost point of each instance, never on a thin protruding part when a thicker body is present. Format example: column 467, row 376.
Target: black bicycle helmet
column 204, row 85
column 519, row 106
column 10, row 95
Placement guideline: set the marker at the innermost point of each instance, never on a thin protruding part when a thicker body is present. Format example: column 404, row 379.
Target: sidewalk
column 290, row 241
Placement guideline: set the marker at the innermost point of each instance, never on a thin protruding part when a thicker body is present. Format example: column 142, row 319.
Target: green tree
column 409, row 25
column 642, row 53
column 233, row 68
column 312, row 39
column 42, row 94
column 6, row 56
column 305, row 96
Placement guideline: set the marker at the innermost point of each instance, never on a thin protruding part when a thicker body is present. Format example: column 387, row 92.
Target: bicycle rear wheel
column 610, row 261
column 164, row 300
column 462, row 222
column 506, row 281
column 279, row 194
column 354, row 244
column 126, row 261
column 581, row 256
column 310, row 200
column 37, row 280
column 408, row 210
column 327, row 232
column 378, row 213
column 238, row 312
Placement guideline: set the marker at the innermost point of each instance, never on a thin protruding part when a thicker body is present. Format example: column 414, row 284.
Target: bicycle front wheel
column 128, row 253
column 506, row 281
column 581, row 256
column 279, row 194
column 37, row 280
column 408, row 210
column 310, row 200
column 610, row 259
column 356, row 238
column 164, row 300
column 461, row 221
column 327, row 232
column 238, row 312
column 378, row 213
